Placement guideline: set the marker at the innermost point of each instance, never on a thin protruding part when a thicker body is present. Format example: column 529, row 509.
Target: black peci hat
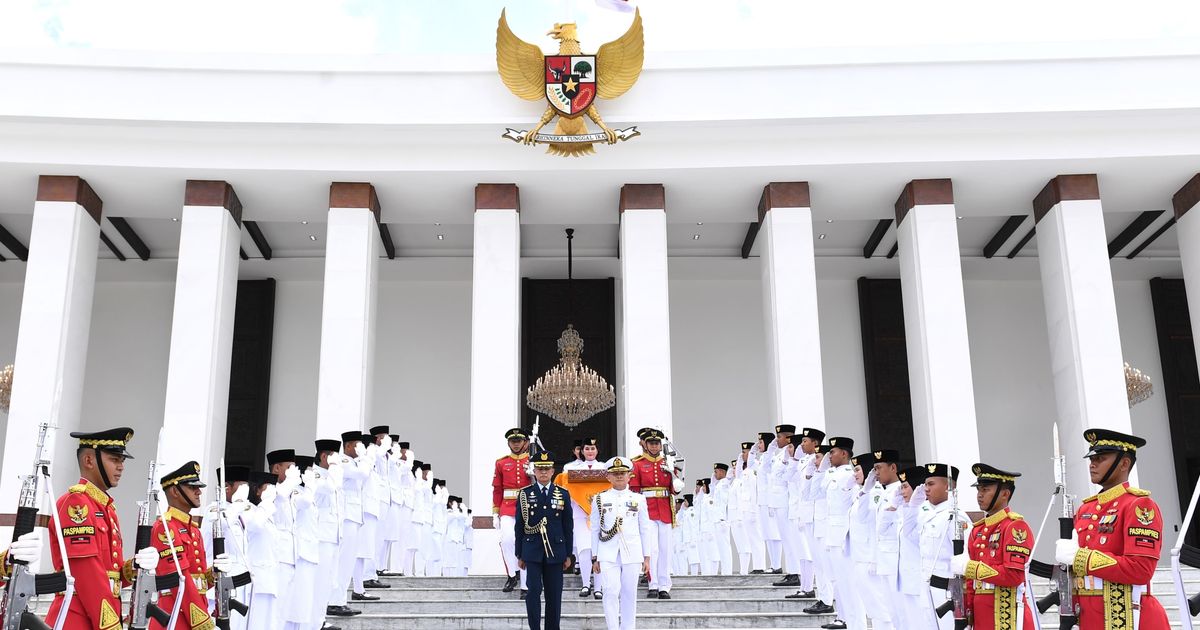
column 941, row 470
column 887, row 456
column 235, row 474
column 281, row 456
column 263, row 478
column 381, row 429
column 864, row 461
column 785, row 428
column 844, row 443
column 816, row 435
column 331, row 446
column 913, row 476
column 351, row 436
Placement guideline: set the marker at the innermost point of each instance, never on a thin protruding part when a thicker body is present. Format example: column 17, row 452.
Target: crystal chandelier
column 570, row 392
column 6, row 378
column 1138, row 386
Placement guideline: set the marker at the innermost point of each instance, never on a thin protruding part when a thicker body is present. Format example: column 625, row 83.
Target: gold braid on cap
column 997, row 477
column 1117, row 443
column 95, row 443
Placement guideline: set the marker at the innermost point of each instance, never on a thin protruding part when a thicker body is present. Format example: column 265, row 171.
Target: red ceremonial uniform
column 87, row 517
column 650, row 478
column 1120, row 539
column 507, row 481
column 189, row 547
column 999, row 548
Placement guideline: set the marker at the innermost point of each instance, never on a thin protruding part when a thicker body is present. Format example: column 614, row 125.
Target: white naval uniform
column 888, row 609
column 353, row 477
column 285, row 543
column 862, row 549
column 298, row 612
column 583, row 541
column 721, row 492
column 374, row 498
column 621, row 556
column 802, row 512
column 823, row 565
column 743, row 517
column 400, row 483
column 783, row 468
column 937, row 547
column 235, row 547
column 327, row 487
column 840, row 493
column 768, row 527
column 913, row 587
column 264, row 566
column 389, row 525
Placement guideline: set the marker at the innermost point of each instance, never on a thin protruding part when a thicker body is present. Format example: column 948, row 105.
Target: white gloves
column 396, row 451
column 918, row 496
column 309, row 477
column 242, row 494
column 146, row 559
column 291, row 480
column 223, row 563
column 359, row 449
column 27, row 548
column 268, row 495
column 496, row 521
column 1065, row 550
column 386, row 443
column 958, row 564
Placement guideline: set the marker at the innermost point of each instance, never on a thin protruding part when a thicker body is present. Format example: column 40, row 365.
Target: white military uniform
column 285, row 540
column 436, row 540
column 937, row 547
column 400, row 483
column 351, row 501
column 452, row 550
column 422, row 520
column 840, row 493
column 327, row 485
column 264, row 566
column 374, row 499
column 620, row 534
column 767, row 522
column 800, row 515
column 862, row 546
column 743, row 518
column 235, row 547
column 583, row 541
column 820, row 528
column 721, row 494
column 297, row 603
column 913, row 586
column 887, row 610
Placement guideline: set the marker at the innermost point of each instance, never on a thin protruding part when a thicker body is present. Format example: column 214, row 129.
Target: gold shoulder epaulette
column 1091, row 498
column 77, row 489
column 639, row 457
column 979, row 522
column 1014, row 516
column 1138, row 492
column 502, row 457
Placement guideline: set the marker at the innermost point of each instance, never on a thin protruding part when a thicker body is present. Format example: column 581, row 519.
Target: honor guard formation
column 865, row 541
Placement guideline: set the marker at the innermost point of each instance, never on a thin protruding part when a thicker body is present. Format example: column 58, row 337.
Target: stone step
column 487, row 581
column 579, row 605
column 476, row 594
column 590, row 621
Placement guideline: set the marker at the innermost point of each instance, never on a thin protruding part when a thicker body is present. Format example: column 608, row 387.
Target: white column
column 935, row 326
column 1081, row 317
column 496, row 395
column 56, row 313
column 197, row 400
column 1187, row 226
column 645, row 313
column 789, row 279
column 345, row 375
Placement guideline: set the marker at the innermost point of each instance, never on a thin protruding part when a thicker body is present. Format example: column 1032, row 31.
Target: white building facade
column 397, row 226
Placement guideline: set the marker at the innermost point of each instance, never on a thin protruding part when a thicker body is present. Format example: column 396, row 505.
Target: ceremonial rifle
column 225, row 583
column 1184, row 554
column 23, row 584
column 1062, row 596
column 141, row 609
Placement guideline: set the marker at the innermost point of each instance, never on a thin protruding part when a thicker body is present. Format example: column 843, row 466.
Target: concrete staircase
column 477, row 603
column 712, row 602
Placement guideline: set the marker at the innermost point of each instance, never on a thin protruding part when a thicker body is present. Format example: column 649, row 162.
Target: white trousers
column 758, row 546
column 804, row 533
column 771, row 537
column 882, row 607
column 327, row 571
column 620, row 593
column 824, row 570
column 847, row 602
column 367, row 539
column 660, row 557
column 741, row 540
column 300, row 592
column 724, row 548
column 793, row 553
column 508, row 546
column 263, row 615
column 347, row 555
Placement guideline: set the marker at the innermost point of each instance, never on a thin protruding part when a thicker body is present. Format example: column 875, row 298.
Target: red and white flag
column 624, row 6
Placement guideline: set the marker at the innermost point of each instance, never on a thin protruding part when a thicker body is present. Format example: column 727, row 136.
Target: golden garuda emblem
column 571, row 81
column 77, row 513
column 1145, row 516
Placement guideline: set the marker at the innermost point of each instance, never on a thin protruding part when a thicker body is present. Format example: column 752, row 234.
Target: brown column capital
column 923, row 192
column 206, row 192
column 354, row 195
column 497, row 197
column 1065, row 188
column 783, row 195
column 70, row 188
column 1187, row 197
column 643, row 197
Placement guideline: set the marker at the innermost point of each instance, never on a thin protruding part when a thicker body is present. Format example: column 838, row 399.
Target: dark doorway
column 250, row 374
column 885, row 361
column 1180, row 387
column 545, row 313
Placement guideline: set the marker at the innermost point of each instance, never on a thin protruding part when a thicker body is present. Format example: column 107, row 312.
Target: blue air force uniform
column 544, row 531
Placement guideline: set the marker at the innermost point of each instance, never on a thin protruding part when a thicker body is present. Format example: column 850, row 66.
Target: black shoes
column 585, row 592
column 664, row 595
column 341, row 611
column 777, row 571
column 652, row 593
column 363, row 597
column 375, row 584
column 757, row 572
column 510, row 583
column 790, row 579
column 819, row 608
column 329, row 627
column 598, row 595
column 524, row 592
column 836, row 624
column 796, row 595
